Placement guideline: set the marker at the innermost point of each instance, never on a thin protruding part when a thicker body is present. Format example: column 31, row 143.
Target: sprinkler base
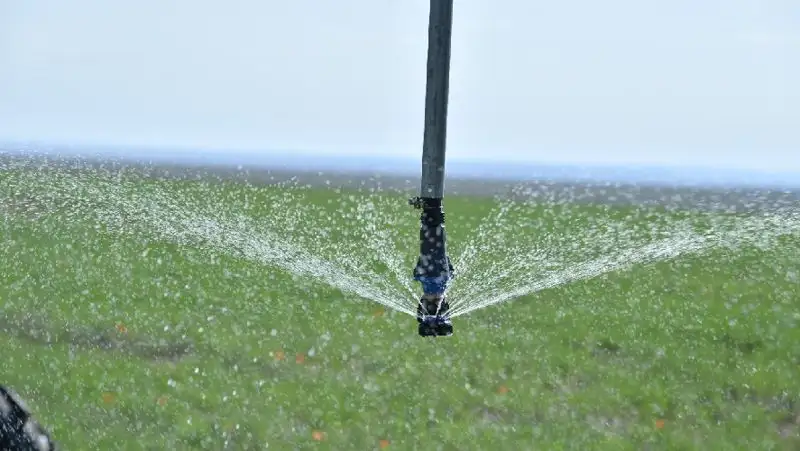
column 433, row 316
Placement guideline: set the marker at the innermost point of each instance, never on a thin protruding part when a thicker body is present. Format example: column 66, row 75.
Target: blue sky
column 709, row 83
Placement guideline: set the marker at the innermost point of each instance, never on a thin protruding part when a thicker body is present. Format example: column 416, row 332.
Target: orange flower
column 279, row 355
column 318, row 436
column 300, row 358
column 121, row 328
column 502, row 389
column 108, row 398
column 659, row 424
column 383, row 444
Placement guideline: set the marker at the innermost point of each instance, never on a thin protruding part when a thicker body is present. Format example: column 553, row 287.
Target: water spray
column 434, row 270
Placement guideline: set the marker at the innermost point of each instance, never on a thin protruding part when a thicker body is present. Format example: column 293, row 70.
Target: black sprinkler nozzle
column 433, row 328
column 433, row 270
column 433, row 316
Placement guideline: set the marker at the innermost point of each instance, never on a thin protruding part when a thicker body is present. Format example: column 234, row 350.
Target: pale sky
column 695, row 82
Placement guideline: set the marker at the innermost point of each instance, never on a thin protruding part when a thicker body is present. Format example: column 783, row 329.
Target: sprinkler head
column 433, row 316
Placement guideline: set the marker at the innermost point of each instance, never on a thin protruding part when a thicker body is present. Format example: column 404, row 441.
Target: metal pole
column 433, row 269
column 440, row 26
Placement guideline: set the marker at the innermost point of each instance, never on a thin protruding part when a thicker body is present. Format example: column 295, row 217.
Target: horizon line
column 509, row 170
column 267, row 153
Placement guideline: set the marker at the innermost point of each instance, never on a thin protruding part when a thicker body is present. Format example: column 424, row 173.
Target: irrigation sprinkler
column 433, row 269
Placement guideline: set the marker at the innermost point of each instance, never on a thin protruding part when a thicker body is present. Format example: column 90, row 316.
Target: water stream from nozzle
column 358, row 243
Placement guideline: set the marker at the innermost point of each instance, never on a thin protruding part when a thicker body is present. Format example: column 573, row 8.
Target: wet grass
column 128, row 341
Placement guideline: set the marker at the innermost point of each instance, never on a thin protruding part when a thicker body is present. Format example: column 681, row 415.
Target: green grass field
column 121, row 333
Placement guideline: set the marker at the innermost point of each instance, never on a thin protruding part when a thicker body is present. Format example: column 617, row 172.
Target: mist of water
column 363, row 245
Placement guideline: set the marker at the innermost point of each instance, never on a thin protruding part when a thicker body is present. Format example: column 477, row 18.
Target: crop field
column 153, row 314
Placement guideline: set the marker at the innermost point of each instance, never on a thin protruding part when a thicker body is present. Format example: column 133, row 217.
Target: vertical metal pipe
column 440, row 26
column 433, row 269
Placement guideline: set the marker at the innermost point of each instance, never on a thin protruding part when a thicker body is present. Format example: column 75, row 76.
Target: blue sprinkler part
column 433, row 285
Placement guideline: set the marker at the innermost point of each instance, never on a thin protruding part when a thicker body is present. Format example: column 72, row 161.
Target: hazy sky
column 679, row 81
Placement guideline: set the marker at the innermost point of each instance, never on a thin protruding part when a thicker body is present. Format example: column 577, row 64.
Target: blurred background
column 708, row 85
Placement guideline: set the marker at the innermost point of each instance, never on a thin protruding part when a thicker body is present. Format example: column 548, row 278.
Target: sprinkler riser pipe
column 433, row 269
column 437, row 87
